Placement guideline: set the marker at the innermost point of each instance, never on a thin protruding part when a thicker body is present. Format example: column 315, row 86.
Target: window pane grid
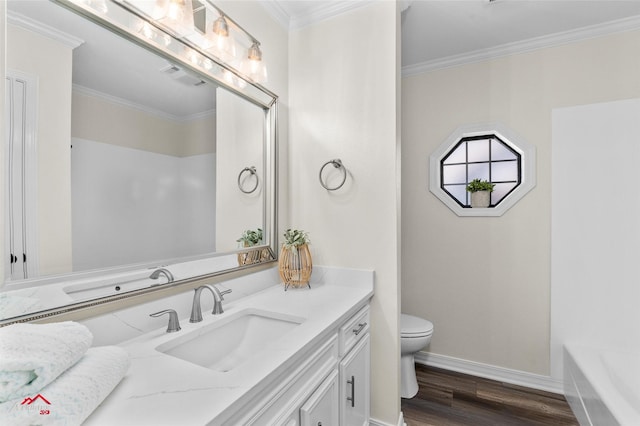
column 473, row 158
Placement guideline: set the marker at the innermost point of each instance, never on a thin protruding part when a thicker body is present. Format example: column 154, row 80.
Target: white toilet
column 415, row 334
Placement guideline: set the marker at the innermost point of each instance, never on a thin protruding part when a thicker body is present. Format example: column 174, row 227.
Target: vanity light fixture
column 253, row 66
column 192, row 23
column 222, row 44
column 178, row 16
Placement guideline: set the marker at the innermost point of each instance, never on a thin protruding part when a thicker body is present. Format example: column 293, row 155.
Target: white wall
column 144, row 188
column 93, row 118
column 595, row 296
column 3, row 13
column 343, row 83
column 133, row 206
column 51, row 62
column 274, row 44
column 240, row 141
column 485, row 282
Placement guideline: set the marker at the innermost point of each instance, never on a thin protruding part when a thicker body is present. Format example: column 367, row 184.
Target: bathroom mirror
column 139, row 153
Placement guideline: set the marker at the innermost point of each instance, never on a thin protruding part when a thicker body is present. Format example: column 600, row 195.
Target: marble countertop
column 160, row 389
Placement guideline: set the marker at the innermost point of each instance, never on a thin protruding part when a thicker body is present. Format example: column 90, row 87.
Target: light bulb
column 177, row 15
column 221, row 44
column 147, row 30
column 253, row 66
column 193, row 56
column 175, row 12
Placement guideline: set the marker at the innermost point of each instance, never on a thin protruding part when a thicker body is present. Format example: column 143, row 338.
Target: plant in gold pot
column 480, row 191
column 295, row 263
column 250, row 238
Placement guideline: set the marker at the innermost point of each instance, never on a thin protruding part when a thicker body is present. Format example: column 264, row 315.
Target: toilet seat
column 412, row 327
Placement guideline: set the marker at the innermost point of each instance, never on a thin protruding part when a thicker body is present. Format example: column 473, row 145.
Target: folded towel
column 73, row 396
column 12, row 305
column 33, row 355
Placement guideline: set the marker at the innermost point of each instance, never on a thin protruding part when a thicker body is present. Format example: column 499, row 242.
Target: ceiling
column 435, row 33
column 433, row 30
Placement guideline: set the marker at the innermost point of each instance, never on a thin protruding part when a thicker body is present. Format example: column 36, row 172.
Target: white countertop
column 160, row 389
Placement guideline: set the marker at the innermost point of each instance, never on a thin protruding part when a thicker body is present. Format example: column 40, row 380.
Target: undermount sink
column 227, row 343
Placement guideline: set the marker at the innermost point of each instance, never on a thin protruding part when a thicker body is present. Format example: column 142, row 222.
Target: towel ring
column 338, row 165
column 251, row 170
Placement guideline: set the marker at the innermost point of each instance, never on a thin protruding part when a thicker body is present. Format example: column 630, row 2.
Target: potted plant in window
column 250, row 238
column 295, row 263
column 480, row 192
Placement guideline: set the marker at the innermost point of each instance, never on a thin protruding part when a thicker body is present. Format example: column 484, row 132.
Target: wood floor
column 452, row 399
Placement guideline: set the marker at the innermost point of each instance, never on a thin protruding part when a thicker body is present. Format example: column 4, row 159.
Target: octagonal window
column 484, row 157
column 486, row 152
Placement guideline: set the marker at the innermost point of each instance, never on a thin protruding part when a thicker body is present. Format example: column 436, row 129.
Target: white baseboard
column 515, row 377
column 374, row 422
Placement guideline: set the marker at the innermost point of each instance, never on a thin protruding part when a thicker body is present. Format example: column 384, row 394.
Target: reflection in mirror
column 121, row 161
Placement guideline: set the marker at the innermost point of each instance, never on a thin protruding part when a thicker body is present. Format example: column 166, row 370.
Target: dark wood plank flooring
column 448, row 398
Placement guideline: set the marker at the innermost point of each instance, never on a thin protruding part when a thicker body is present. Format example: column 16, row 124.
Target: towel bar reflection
column 337, row 163
column 251, row 170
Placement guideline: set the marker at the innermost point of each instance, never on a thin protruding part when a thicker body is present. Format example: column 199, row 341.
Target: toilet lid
column 414, row 326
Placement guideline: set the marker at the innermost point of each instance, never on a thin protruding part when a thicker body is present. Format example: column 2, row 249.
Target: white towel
column 33, row 355
column 12, row 305
column 73, row 396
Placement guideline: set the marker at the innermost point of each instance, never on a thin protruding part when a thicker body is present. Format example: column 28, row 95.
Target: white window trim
column 528, row 167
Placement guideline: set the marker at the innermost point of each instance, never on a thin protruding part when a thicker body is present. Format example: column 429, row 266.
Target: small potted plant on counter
column 295, row 263
column 480, row 191
column 250, row 238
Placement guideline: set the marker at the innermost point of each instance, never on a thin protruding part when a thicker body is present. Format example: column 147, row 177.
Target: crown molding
column 47, row 31
column 277, row 12
column 323, row 11
column 552, row 40
column 326, row 11
column 128, row 104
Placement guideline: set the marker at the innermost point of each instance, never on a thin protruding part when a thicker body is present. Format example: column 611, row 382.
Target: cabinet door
column 354, row 385
column 321, row 409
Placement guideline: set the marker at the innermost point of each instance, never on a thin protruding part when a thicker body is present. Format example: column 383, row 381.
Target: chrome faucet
column 196, row 310
column 156, row 274
column 174, row 323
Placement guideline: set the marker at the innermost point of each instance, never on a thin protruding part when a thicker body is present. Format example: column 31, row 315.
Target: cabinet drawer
column 351, row 332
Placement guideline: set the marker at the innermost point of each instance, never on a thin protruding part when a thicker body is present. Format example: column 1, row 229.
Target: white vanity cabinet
column 329, row 385
column 354, row 387
column 322, row 408
column 305, row 361
column 343, row 398
column 354, row 368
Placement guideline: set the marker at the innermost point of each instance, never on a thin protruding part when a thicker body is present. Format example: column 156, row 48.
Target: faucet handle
column 174, row 323
column 217, row 300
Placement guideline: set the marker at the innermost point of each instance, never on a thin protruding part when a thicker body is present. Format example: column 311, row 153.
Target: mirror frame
column 121, row 20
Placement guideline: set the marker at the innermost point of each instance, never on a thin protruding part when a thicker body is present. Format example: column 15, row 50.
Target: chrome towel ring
column 251, row 170
column 337, row 163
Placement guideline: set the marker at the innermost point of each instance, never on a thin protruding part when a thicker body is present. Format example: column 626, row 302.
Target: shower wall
column 595, row 285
